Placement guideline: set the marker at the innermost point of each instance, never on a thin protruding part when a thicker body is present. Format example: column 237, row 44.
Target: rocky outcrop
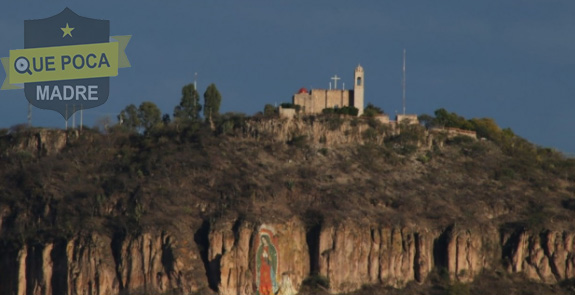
column 352, row 255
column 470, row 251
column 38, row 141
column 151, row 262
column 318, row 130
column 90, row 266
column 241, row 257
column 77, row 267
column 234, row 250
column 547, row 257
column 98, row 265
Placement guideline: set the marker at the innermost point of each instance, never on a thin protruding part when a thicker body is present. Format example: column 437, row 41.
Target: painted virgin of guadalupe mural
column 266, row 265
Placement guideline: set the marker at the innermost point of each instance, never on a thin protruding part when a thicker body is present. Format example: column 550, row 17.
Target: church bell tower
column 358, row 89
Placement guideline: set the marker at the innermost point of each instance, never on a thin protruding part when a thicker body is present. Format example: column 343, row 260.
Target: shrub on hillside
column 346, row 110
column 460, row 139
column 270, row 111
column 407, row 141
column 372, row 111
column 289, row 105
column 316, row 281
column 332, row 121
column 299, row 141
column 229, row 123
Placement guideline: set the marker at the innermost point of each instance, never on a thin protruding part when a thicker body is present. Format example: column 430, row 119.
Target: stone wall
column 410, row 119
column 319, row 99
column 453, row 132
column 286, row 113
column 383, row 118
column 304, row 100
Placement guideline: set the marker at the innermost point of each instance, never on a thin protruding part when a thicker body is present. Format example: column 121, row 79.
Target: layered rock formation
column 349, row 254
column 470, row 251
column 42, row 141
column 140, row 252
column 99, row 265
column 352, row 255
column 234, row 254
column 329, row 131
column 547, row 257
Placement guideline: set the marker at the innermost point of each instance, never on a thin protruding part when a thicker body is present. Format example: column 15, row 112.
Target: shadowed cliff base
column 313, row 221
column 440, row 258
column 494, row 283
column 201, row 237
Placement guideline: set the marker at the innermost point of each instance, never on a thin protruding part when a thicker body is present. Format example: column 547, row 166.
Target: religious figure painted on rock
column 267, row 266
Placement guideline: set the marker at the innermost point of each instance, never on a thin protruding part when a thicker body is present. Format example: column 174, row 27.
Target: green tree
column 346, row 110
column 150, row 115
column 372, row 111
column 189, row 107
column 270, row 110
column 487, row 128
column 447, row 119
column 289, row 105
column 166, row 119
column 129, row 118
column 426, row 120
column 212, row 101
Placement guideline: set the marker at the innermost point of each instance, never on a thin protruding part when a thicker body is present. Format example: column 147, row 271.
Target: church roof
column 302, row 90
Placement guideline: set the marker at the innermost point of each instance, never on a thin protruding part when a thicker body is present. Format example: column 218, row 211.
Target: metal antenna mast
column 74, row 116
column 195, row 88
column 29, row 115
column 403, row 81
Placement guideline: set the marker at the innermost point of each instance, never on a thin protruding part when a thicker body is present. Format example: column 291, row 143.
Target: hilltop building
column 315, row 100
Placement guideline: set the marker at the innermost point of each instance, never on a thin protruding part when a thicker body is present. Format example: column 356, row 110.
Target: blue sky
column 510, row 60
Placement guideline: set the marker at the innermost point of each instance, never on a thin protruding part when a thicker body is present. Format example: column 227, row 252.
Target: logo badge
column 66, row 63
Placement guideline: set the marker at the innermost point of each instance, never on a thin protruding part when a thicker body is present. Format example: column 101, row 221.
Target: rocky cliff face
column 99, row 265
column 242, row 257
column 329, row 131
column 469, row 251
column 236, row 255
column 547, row 256
column 41, row 141
column 352, row 255
column 271, row 256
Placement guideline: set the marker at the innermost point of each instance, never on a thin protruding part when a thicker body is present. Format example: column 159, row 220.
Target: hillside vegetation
column 181, row 174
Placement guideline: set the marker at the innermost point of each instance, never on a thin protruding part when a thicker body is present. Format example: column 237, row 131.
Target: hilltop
column 183, row 187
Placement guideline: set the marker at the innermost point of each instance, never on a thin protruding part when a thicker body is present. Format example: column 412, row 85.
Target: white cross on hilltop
column 335, row 78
